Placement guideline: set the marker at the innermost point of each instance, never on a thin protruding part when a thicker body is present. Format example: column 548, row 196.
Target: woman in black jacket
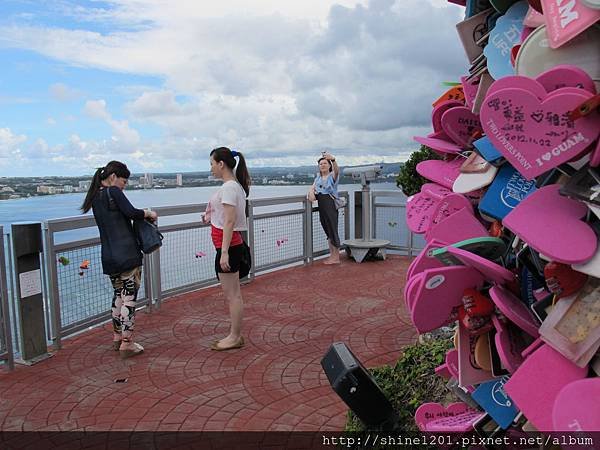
column 121, row 256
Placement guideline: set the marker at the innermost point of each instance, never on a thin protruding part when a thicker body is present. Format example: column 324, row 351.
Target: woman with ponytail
column 121, row 256
column 226, row 212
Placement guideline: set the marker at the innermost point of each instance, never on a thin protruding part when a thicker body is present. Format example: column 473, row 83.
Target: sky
column 157, row 84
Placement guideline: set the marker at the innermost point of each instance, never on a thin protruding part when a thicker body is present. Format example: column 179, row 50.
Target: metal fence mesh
column 186, row 257
column 3, row 332
column 277, row 239
column 83, row 292
column 390, row 224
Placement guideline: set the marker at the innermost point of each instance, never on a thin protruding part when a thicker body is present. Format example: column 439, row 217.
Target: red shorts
column 217, row 237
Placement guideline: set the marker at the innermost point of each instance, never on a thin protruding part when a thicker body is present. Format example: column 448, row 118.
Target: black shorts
column 239, row 260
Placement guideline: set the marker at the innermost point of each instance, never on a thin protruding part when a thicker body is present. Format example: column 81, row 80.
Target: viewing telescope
column 365, row 174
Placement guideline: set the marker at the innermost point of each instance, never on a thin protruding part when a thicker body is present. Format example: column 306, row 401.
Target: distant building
column 83, row 185
column 67, row 188
column 7, row 189
column 142, row 181
column 149, row 179
column 179, row 179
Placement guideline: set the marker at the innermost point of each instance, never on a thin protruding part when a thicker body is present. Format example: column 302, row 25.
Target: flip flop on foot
column 239, row 344
column 130, row 352
column 329, row 262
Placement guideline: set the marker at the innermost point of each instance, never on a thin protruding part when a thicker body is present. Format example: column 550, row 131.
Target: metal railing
column 6, row 350
column 281, row 231
column 389, row 222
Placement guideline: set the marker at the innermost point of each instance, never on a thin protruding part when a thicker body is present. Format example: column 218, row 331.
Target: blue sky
column 157, row 84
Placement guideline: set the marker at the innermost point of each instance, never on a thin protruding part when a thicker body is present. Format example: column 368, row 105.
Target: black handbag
column 147, row 234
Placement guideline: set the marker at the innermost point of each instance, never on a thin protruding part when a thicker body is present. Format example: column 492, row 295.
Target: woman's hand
column 150, row 215
column 224, row 262
column 329, row 157
column 311, row 194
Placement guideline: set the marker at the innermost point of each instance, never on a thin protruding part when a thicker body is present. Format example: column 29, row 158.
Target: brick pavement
column 274, row 383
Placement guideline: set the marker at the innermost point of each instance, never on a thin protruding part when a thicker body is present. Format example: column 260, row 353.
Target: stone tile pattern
column 274, row 383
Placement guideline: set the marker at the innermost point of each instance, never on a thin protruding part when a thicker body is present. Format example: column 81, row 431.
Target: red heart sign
column 562, row 280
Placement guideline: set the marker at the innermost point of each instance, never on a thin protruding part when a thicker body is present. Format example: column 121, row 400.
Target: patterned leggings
column 126, row 286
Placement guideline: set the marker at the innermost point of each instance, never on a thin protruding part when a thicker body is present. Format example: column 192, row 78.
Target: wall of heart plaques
column 511, row 219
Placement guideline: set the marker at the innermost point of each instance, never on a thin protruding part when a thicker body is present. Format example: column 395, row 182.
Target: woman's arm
column 312, row 196
column 335, row 167
column 227, row 234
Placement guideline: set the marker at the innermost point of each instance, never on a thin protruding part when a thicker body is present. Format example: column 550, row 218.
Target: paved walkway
column 274, row 383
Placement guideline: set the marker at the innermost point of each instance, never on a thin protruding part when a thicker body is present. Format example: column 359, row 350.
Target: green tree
column 408, row 179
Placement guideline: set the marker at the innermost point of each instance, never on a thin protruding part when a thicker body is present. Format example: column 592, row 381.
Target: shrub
column 408, row 179
column 411, row 382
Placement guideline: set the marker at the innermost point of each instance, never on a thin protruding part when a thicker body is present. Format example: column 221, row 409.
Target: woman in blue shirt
column 324, row 190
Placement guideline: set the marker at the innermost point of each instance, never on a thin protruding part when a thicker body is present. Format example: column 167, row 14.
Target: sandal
column 131, row 352
column 240, row 343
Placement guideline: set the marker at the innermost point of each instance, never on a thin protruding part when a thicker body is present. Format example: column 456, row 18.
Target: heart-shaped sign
column 576, row 407
column 421, row 207
column 518, row 82
column 449, row 205
column 562, row 280
column 566, row 75
column 429, row 412
column 455, row 93
column 443, row 173
column 514, row 310
column 543, row 216
column 457, row 227
column 450, row 367
column 536, row 136
column 437, row 144
column 537, row 382
column 438, row 112
column 490, row 248
column 533, row 18
column 503, row 37
column 440, row 293
column 470, row 373
column 425, row 260
column 461, row 125
column 490, row 270
column 566, row 19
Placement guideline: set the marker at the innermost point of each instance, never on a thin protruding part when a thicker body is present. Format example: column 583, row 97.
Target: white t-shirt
column 231, row 193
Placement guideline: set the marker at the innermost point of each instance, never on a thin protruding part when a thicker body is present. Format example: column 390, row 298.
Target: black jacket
column 120, row 250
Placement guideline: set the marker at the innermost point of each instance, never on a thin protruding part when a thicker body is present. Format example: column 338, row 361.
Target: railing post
column 347, row 217
column 308, row 231
column 27, row 248
column 373, row 216
column 251, row 242
column 358, row 229
column 53, row 292
column 5, row 329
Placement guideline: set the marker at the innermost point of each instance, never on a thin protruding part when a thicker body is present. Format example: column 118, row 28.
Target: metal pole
column 4, row 308
column 366, row 211
column 53, row 292
column 251, row 242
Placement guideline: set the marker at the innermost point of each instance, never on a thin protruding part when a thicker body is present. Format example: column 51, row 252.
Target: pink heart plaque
column 420, row 208
column 565, row 75
column 545, row 215
column 424, row 260
column 490, row 270
column 443, row 173
column 437, row 144
column 514, row 310
column 461, row 125
column 470, row 88
column 510, row 344
column 430, row 412
column 566, row 19
column 449, row 205
column 439, row 293
column 576, row 407
column 517, row 82
column 459, row 226
column 537, row 382
column 536, row 136
column 438, row 112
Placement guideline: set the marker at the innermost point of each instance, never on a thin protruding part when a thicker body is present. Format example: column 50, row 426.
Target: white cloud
column 63, row 93
column 277, row 79
column 10, row 143
column 125, row 137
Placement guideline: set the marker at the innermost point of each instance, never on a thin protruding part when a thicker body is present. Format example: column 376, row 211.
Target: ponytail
column 228, row 157
column 102, row 173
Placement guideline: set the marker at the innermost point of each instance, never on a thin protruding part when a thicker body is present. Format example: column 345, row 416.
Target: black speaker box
column 357, row 387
